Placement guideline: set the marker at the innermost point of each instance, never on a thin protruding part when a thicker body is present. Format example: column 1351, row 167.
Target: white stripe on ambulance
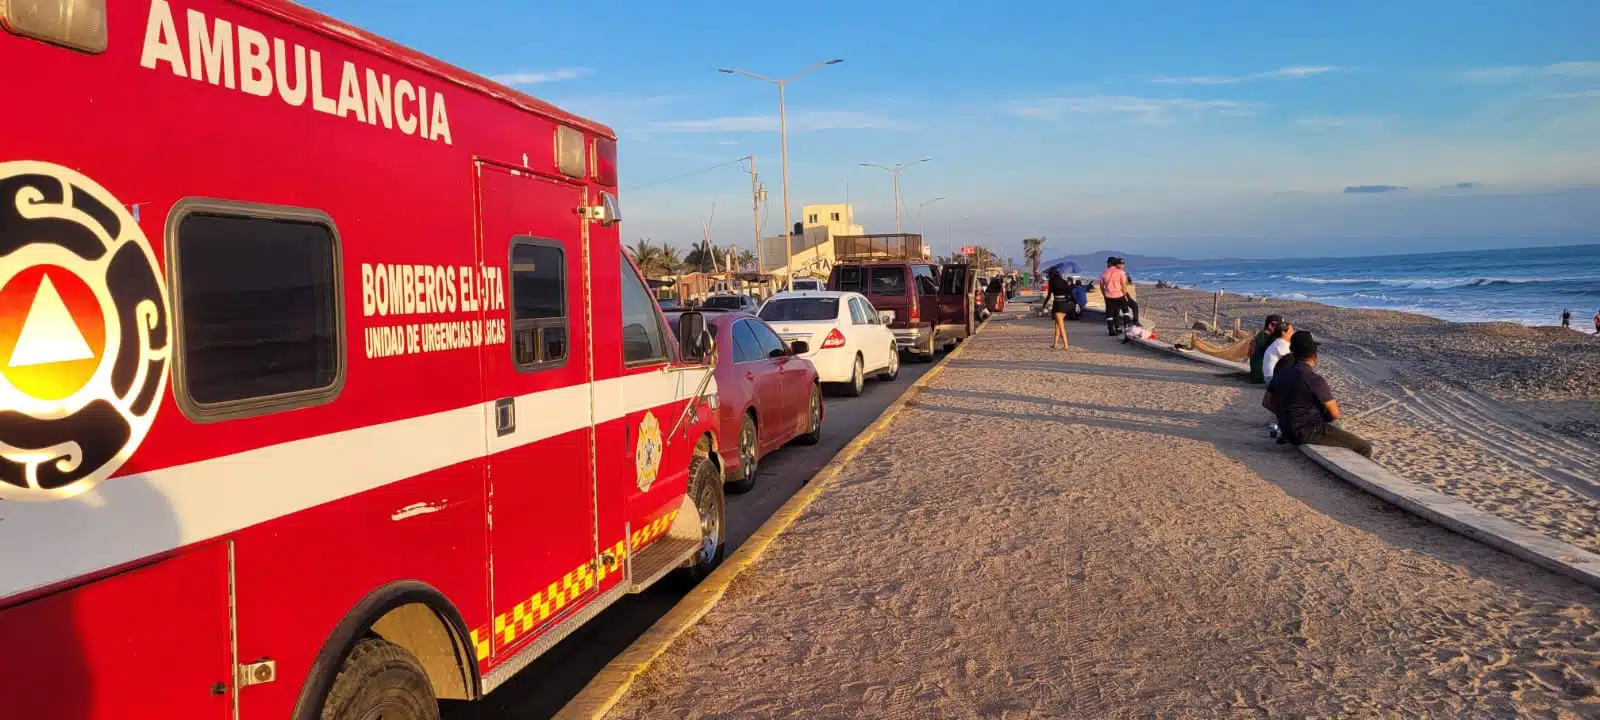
column 239, row 58
column 172, row 507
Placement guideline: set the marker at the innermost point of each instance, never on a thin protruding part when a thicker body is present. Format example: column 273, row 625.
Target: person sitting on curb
column 1307, row 412
column 1258, row 351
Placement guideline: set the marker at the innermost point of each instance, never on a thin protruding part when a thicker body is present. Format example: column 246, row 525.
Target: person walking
column 1566, row 317
column 1061, row 302
column 1258, row 351
column 1114, row 288
column 1307, row 412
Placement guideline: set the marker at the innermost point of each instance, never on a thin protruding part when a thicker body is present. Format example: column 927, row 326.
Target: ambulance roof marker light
column 76, row 24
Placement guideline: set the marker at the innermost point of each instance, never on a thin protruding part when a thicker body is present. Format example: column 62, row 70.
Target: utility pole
column 755, row 212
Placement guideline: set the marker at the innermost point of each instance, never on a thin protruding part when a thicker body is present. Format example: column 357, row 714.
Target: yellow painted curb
column 613, row 681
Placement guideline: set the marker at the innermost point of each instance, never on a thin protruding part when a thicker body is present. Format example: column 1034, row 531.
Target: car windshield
column 725, row 302
column 800, row 309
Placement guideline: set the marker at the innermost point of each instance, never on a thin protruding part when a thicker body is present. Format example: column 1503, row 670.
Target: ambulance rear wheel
column 380, row 681
column 705, row 489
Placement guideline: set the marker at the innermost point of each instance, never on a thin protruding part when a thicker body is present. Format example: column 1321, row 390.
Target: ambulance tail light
column 77, row 24
column 605, row 162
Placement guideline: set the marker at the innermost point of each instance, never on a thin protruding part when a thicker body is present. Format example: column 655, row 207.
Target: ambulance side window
column 539, row 303
column 641, row 325
column 258, row 302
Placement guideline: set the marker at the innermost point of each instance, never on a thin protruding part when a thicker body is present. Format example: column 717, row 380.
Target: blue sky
column 1187, row 128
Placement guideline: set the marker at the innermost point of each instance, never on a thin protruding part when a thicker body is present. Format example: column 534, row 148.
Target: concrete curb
column 614, row 680
column 1459, row 516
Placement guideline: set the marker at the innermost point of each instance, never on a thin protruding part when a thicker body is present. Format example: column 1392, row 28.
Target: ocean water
column 1527, row 286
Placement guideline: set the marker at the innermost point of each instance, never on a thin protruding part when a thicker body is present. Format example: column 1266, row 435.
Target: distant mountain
column 1093, row 263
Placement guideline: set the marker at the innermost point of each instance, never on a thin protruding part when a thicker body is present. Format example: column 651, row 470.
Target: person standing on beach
column 1300, row 397
column 1597, row 322
column 1566, row 317
column 1258, row 351
column 1061, row 301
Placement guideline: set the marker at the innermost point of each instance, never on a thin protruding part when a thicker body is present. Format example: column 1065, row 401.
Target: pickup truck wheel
column 893, row 371
column 926, row 356
column 705, row 488
column 748, row 460
column 380, row 681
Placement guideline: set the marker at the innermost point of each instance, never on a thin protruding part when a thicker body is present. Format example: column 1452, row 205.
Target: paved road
column 544, row 687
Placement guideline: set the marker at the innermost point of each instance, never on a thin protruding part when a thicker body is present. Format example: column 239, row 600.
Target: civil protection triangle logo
column 85, row 333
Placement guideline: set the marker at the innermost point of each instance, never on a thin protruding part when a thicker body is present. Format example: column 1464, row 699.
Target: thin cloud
column 1292, row 72
column 1566, row 68
column 798, row 122
column 1142, row 110
column 1322, row 122
column 1373, row 189
column 1579, row 95
column 541, row 78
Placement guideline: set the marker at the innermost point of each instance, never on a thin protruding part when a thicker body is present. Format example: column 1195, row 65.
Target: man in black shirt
column 1304, row 404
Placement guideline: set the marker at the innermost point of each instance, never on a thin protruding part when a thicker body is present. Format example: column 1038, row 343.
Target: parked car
column 768, row 395
column 928, row 306
column 729, row 301
column 846, row 338
column 669, row 304
column 806, row 285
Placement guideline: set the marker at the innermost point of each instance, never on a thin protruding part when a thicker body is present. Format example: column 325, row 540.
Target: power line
column 740, row 161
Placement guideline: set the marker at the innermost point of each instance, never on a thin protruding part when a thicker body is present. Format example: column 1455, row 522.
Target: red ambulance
column 326, row 386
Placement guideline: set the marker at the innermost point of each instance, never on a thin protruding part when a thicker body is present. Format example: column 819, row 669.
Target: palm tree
column 747, row 260
column 669, row 262
column 1033, row 254
column 648, row 257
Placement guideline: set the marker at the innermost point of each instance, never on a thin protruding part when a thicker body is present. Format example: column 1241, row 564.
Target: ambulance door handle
column 505, row 416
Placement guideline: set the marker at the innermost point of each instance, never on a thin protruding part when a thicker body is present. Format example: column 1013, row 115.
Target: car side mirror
column 799, row 347
column 695, row 339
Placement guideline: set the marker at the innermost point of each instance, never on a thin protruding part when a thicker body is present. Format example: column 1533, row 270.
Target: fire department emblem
column 85, row 334
column 647, row 456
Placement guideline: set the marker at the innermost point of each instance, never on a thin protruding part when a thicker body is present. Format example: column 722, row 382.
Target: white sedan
column 846, row 337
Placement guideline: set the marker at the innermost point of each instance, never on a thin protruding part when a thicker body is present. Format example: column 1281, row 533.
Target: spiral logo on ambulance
column 647, row 456
column 85, row 334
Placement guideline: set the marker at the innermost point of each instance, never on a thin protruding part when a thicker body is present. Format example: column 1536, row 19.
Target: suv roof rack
column 892, row 246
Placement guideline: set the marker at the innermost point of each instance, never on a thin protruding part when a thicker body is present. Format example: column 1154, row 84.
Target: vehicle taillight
column 834, row 339
column 913, row 313
column 605, row 162
column 570, row 156
column 77, row 24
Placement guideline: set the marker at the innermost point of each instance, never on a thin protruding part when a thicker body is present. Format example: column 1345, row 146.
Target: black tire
column 814, row 435
column 380, row 679
column 858, row 379
column 705, row 488
column 893, row 371
column 926, row 356
column 749, row 456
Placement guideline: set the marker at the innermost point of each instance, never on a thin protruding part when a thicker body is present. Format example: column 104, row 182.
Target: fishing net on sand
column 1238, row 351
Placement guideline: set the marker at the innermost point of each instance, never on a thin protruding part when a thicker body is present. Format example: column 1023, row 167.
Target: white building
column 813, row 247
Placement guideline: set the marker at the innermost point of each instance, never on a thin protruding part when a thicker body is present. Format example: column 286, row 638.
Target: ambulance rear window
column 258, row 309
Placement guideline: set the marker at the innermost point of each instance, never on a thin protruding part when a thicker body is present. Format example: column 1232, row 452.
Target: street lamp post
column 925, row 203
column 894, row 172
column 783, row 141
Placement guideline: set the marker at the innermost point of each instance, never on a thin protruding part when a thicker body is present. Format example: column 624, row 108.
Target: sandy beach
column 1096, row 533
column 1504, row 416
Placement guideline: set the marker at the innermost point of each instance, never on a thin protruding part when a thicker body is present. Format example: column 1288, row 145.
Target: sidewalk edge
column 1459, row 516
column 614, row 680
